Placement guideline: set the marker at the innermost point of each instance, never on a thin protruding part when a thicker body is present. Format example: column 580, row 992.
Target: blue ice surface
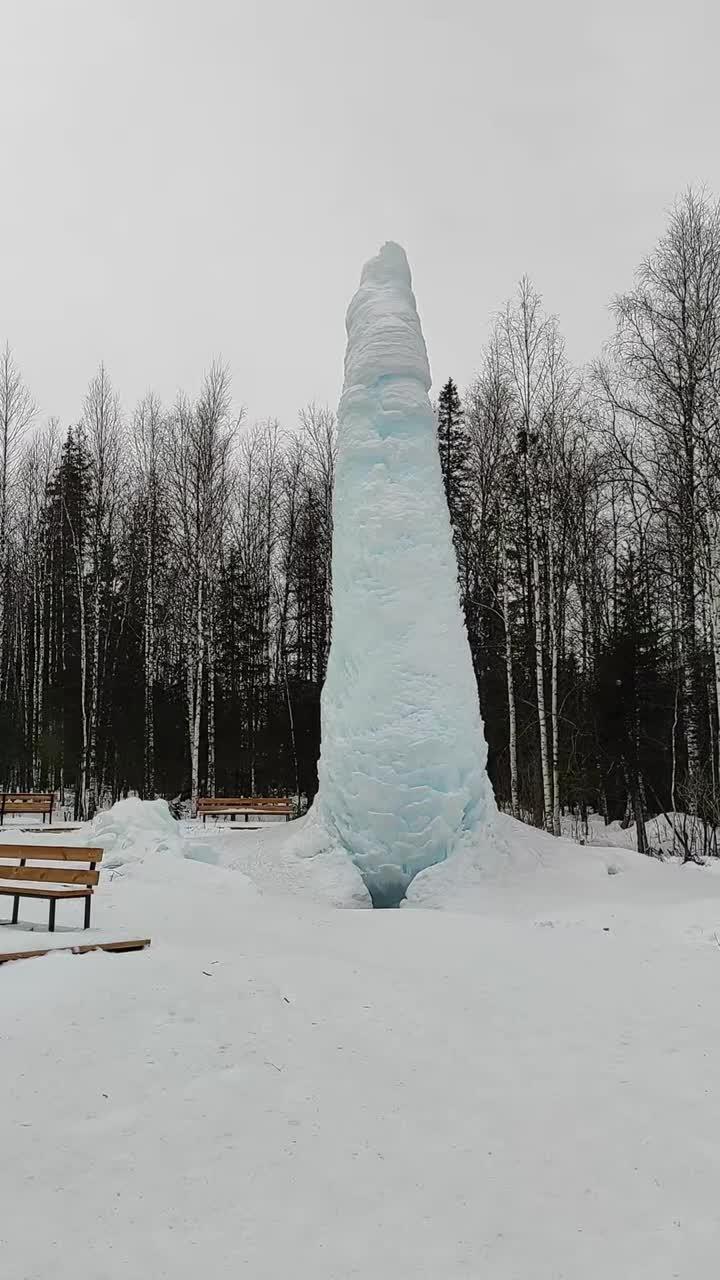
column 402, row 770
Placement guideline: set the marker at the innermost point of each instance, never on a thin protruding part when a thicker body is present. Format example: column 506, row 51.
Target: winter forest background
column 165, row 593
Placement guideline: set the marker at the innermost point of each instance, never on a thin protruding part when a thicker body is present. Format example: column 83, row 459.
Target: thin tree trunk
column 149, row 655
column 92, row 781
column 39, row 685
column 554, row 662
column 714, row 588
column 510, row 677
column 81, row 797
column 673, row 774
column 197, row 700
column 211, row 703
column 688, row 632
column 540, row 685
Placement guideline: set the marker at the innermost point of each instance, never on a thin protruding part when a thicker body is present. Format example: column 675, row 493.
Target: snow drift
column 133, row 828
column 402, row 767
column 143, row 833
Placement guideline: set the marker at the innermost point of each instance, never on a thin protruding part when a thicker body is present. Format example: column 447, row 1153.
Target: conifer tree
column 452, row 441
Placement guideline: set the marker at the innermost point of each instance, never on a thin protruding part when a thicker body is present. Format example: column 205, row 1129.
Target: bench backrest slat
column 25, row 802
column 49, row 875
column 209, row 803
column 46, row 853
column 28, row 795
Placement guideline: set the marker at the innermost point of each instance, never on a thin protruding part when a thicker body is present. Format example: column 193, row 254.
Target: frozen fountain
column 403, row 754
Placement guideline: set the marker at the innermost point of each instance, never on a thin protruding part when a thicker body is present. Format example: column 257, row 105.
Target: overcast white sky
column 187, row 178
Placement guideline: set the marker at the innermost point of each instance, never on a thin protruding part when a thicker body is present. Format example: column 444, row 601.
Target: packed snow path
column 282, row 1088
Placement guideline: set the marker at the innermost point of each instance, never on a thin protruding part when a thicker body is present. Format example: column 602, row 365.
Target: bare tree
column 17, row 410
column 149, row 436
column 662, row 386
column 102, row 427
column 199, row 446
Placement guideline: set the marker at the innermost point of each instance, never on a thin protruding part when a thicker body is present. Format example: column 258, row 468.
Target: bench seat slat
column 24, row 808
column 26, row 891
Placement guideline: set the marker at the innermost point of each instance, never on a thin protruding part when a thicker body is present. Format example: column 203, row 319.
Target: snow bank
column 538, row 873
column 133, row 828
column 298, row 858
column 674, row 834
column 282, row 858
column 278, row 1089
column 402, row 767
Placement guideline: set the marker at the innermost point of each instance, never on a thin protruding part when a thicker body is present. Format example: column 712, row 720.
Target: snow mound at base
column 289, row 859
column 476, row 862
column 300, row 859
column 134, row 828
column 516, row 868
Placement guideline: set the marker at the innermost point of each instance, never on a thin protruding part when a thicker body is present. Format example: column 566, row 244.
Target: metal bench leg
column 51, row 916
column 16, row 908
column 88, row 900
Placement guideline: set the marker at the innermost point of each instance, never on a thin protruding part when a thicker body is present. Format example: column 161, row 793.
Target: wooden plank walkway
column 79, row 949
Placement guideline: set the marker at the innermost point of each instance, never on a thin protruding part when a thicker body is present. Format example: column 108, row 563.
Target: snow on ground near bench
column 278, row 1087
column 274, row 857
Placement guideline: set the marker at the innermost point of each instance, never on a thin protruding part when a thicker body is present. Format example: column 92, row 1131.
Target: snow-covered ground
column 518, row 1083
column 671, row 834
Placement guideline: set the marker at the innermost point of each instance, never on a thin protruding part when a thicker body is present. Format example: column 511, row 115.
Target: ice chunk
column 402, row 768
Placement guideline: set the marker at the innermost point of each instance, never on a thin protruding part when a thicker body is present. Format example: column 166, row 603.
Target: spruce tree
column 452, row 441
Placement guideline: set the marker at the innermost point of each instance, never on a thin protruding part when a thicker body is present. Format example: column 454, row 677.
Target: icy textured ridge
column 402, row 768
column 383, row 326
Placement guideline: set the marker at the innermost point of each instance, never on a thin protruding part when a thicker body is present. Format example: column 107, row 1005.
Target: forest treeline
column 165, row 584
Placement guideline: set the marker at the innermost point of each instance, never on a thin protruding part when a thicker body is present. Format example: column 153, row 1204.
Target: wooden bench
column 48, row 882
column 250, row 806
column 25, row 802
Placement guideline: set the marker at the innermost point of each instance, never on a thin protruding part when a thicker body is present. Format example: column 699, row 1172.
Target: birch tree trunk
column 714, row 592
column 554, row 672
column 150, row 440
column 540, row 686
column 510, row 679
column 91, row 777
column 211, row 703
column 81, row 810
column 39, row 685
column 688, row 631
column 16, row 414
column 197, row 701
column 149, row 659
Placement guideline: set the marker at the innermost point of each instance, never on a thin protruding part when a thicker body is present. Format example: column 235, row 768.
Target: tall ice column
column 403, row 754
